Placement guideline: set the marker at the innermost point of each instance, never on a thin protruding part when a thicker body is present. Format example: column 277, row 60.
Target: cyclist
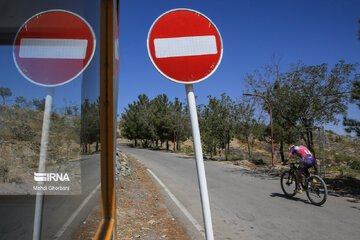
column 306, row 161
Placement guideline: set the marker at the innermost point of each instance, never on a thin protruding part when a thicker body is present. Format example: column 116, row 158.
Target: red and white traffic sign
column 54, row 47
column 184, row 46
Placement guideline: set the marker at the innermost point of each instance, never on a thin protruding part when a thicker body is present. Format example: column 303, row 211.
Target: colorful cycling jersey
column 301, row 152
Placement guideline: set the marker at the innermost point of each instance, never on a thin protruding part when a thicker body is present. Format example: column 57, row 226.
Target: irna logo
column 48, row 177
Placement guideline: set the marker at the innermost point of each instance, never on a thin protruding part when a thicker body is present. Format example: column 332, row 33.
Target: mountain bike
column 314, row 185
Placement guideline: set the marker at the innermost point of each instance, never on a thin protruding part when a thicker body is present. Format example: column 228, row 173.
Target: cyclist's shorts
column 306, row 162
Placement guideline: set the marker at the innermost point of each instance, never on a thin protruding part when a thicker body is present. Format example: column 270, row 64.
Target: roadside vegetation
column 303, row 100
column 74, row 130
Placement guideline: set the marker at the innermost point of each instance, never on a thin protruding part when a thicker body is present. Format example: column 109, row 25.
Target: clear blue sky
column 315, row 32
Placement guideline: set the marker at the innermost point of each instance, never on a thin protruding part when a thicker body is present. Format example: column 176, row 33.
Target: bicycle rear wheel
column 288, row 183
column 316, row 190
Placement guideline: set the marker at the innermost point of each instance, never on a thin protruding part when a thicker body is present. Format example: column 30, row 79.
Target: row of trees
column 302, row 99
column 223, row 119
column 156, row 121
column 159, row 121
column 22, row 102
column 67, row 120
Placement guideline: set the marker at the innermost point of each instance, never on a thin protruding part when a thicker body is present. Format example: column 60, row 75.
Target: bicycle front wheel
column 288, row 183
column 317, row 190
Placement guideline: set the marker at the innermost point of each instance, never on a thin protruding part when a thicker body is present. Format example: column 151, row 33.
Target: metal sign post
column 186, row 47
column 51, row 49
column 199, row 162
column 43, row 157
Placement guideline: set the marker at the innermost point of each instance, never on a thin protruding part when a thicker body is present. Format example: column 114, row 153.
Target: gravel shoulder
column 141, row 212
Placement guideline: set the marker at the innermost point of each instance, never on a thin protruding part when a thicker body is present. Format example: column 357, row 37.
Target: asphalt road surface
column 245, row 205
column 17, row 212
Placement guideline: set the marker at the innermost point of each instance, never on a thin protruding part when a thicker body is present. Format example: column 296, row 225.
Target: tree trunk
column 248, row 143
column 178, row 145
column 282, row 150
column 167, row 145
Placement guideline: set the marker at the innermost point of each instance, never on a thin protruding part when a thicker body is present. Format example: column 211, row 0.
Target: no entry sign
column 54, row 47
column 184, row 46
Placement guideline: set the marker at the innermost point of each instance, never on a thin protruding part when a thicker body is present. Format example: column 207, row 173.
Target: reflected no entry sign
column 53, row 47
column 184, row 46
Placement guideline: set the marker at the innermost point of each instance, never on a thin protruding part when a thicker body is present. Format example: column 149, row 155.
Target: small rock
column 151, row 222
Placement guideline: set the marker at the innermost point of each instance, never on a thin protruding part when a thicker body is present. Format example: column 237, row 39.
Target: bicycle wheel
column 316, row 190
column 288, row 183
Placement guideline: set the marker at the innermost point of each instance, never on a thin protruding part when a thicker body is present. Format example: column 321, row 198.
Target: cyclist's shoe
column 299, row 190
column 313, row 182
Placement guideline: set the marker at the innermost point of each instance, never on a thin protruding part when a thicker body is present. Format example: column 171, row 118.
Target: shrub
column 355, row 164
column 187, row 149
column 338, row 139
column 23, row 133
column 341, row 157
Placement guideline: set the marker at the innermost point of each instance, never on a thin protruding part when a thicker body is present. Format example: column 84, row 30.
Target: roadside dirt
column 141, row 213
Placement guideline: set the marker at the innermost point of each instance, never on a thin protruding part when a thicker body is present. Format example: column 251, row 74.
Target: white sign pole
column 43, row 157
column 199, row 162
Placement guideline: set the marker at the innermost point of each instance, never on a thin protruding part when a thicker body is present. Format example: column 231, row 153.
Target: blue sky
column 313, row 32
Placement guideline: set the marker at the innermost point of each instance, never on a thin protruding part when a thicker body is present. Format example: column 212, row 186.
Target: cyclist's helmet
column 290, row 147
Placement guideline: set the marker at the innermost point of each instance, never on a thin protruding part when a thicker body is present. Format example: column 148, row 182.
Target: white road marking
column 72, row 217
column 185, row 46
column 53, row 48
column 180, row 206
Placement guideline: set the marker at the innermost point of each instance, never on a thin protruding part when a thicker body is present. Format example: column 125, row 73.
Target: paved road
column 17, row 212
column 249, row 206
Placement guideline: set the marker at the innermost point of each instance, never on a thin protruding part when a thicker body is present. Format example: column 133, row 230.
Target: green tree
column 353, row 125
column 246, row 124
column 179, row 122
column 137, row 121
column 310, row 95
column 39, row 104
column 217, row 122
column 161, row 119
column 4, row 93
column 209, row 121
column 90, row 125
column 21, row 101
column 129, row 121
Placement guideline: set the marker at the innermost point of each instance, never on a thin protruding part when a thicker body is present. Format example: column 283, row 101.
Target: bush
column 187, row 149
column 338, row 139
column 236, row 157
column 23, row 133
column 4, row 172
column 355, row 164
column 341, row 157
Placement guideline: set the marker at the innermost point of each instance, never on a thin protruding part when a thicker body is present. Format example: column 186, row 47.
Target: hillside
column 20, row 135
